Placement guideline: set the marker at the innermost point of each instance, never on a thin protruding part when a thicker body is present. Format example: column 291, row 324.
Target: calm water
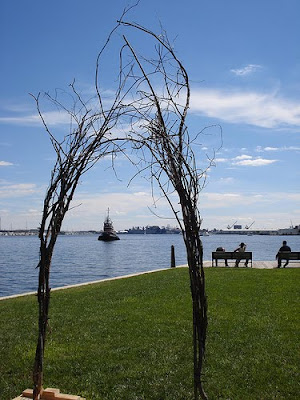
column 81, row 258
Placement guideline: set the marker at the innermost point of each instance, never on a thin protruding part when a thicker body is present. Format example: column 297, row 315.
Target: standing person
column 286, row 248
column 221, row 249
column 241, row 249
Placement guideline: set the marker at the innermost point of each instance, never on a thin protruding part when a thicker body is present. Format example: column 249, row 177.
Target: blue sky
column 243, row 60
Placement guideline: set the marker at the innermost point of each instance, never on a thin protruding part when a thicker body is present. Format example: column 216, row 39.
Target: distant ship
column 108, row 234
column 203, row 233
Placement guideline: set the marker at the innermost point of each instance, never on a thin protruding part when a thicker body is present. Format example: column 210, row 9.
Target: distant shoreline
column 279, row 232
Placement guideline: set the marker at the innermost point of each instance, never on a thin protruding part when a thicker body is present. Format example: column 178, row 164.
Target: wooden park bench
column 230, row 255
column 288, row 255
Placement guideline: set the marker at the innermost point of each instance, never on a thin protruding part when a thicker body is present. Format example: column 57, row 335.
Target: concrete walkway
column 255, row 264
column 207, row 264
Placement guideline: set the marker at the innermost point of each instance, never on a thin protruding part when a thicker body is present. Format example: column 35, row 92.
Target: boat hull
column 108, row 237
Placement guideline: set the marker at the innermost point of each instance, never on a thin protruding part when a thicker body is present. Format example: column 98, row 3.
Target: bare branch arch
column 157, row 115
column 152, row 99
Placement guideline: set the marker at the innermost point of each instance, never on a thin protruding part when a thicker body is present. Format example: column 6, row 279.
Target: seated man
column 221, row 249
column 284, row 247
column 241, row 249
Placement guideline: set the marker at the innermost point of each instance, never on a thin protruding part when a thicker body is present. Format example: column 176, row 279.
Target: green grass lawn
column 131, row 339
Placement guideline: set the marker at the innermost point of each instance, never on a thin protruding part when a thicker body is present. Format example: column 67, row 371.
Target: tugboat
column 108, row 234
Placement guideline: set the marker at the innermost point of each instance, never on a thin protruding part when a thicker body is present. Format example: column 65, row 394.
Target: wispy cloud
column 271, row 148
column 17, row 190
column 227, row 200
column 243, row 157
column 22, row 114
column 235, row 105
column 227, row 180
column 255, row 162
column 51, row 118
column 265, row 110
column 246, row 160
column 261, row 149
column 247, row 70
column 5, row 163
column 124, row 209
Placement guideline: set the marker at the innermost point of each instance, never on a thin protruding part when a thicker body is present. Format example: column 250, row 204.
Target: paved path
column 256, row 264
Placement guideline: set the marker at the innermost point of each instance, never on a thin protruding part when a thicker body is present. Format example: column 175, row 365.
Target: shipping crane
column 230, row 226
column 248, row 227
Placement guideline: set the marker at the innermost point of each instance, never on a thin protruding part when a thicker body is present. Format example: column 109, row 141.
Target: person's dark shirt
column 285, row 248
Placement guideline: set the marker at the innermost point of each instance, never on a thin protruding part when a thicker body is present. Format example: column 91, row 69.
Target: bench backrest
column 231, row 255
column 289, row 255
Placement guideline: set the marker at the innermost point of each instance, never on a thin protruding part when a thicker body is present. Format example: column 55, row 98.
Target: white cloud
column 247, row 70
column 126, row 210
column 271, row 148
column 247, row 160
column 51, row 117
column 232, row 195
column 284, row 148
column 234, row 105
column 18, row 190
column 140, row 194
column 5, row 163
column 292, row 148
column 256, row 162
column 119, row 203
column 34, row 211
column 227, row 180
column 243, row 157
column 266, row 110
column 220, row 160
column 21, row 114
column 215, row 200
column 220, row 200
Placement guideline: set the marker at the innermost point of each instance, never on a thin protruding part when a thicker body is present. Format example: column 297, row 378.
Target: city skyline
column 243, row 61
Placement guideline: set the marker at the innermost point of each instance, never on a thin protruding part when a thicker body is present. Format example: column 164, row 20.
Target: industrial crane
column 247, row 227
column 230, row 226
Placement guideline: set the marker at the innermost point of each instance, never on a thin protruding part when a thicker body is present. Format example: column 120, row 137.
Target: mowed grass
column 132, row 338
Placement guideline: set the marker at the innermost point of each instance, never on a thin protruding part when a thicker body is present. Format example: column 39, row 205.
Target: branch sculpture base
column 48, row 394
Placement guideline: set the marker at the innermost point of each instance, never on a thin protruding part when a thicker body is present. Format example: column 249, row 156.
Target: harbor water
column 82, row 258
